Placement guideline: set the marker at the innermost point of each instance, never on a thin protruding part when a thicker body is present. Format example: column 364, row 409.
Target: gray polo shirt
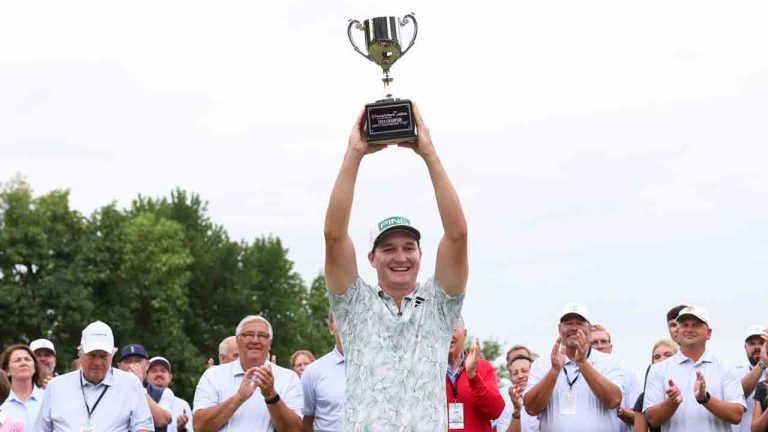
column 395, row 359
column 723, row 382
column 588, row 413
column 123, row 406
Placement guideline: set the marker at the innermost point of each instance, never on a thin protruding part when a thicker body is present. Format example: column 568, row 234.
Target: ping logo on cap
column 393, row 221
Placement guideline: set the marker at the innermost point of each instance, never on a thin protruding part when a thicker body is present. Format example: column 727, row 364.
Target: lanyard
column 578, row 374
column 88, row 409
column 454, row 386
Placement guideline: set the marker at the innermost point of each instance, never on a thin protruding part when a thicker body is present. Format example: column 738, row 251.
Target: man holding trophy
column 395, row 335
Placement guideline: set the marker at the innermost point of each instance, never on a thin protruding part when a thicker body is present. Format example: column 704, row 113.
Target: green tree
column 40, row 295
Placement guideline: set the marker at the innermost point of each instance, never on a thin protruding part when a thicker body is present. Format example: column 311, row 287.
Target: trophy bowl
column 388, row 120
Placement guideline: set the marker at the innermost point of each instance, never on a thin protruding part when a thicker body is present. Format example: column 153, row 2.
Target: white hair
column 248, row 319
column 223, row 347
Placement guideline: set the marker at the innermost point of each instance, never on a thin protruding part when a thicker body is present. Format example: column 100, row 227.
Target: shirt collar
column 107, row 381
column 237, row 368
column 339, row 356
column 409, row 296
column 681, row 358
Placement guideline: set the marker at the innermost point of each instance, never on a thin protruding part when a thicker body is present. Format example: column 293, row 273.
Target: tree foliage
column 160, row 273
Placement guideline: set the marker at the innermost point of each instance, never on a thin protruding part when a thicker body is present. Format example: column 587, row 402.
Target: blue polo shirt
column 24, row 411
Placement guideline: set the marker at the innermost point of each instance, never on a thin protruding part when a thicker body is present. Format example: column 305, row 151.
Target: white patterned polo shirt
column 395, row 359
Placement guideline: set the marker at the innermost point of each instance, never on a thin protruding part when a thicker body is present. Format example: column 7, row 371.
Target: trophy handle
column 403, row 22
column 360, row 27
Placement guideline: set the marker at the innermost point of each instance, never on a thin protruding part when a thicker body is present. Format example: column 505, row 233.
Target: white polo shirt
column 587, row 414
column 117, row 404
column 221, row 382
column 528, row 423
column 723, row 382
column 324, row 384
column 630, row 391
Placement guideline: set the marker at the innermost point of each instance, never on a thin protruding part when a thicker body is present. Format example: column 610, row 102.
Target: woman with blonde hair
column 26, row 393
column 662, row 350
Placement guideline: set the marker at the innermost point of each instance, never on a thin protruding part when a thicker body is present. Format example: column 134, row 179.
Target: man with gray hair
column 96, row 397
column 250, row 393
column 228, row 350
column 576, row 389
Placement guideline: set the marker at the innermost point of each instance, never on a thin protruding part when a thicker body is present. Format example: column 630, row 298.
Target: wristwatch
column 516, row 416
column 272, row 400
column 763, row 366
column 704, row 400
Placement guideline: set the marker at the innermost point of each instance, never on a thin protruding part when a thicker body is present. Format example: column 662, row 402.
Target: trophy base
column 390, row 121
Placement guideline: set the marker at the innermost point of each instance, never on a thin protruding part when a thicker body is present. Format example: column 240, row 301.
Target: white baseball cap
column 160, row 360
column 97, row 337
column 696, row 312
column 42, row 344
column 754, row 330
column 577, row 309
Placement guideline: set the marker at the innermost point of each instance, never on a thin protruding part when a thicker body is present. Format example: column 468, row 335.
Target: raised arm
column 340, row 260
column 452, row 267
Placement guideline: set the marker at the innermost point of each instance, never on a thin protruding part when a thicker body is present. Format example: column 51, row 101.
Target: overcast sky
column 611, row 153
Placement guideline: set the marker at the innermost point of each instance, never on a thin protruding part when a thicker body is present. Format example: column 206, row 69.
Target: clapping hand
column 700, row 387
column 471, row 362
column 674, row 394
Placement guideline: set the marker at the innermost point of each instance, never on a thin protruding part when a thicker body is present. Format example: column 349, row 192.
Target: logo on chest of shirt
column 419, row 300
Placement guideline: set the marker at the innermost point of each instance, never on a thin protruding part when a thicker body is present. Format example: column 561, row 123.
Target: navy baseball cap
column 133, row 350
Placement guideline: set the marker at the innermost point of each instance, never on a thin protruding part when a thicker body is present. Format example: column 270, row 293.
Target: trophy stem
column 387, row 80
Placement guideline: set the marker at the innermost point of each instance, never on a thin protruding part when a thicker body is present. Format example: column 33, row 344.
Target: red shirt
column 480, row 395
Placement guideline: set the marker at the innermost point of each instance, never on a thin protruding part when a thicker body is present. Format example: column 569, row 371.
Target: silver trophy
column 388, row 120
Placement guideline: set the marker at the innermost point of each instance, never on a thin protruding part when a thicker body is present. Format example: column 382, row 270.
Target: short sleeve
column 655, row 388
column 141, row 416
column 308, row 387
column 450, row 307
column 732, row 389
column 293, row 396
column 614, row 373
column 342, row 305
column 206, row 394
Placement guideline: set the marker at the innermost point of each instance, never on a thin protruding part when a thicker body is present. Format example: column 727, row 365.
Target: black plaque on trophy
column 389, row 120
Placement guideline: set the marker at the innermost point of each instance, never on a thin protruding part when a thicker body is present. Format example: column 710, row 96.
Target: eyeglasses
column 249, row 335
column 600, row 342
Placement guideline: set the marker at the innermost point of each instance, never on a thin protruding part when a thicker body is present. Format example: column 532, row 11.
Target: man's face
column 397, row 259
column 95, row 365
column 673, row 327
column 458, row 339
column 158, row 375
column 518, row 372
column 47, row 359
column 693, row 332
column 569, row 328
column 125, row 363
column 752, row 347
column 600, row 341
column 232, row 351
column 254, row 343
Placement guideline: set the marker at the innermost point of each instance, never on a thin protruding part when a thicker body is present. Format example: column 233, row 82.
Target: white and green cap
column 389, row 224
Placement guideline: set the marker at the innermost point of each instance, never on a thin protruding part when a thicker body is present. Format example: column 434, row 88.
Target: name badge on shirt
column 568, row 403
column 456, row 415
column 89, row 426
